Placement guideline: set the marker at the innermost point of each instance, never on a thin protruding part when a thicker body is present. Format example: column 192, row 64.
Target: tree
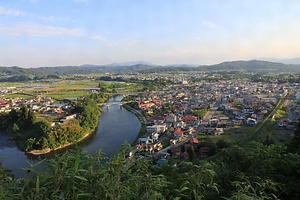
column 294, row 144
column 30, row 144
column 221, row 144
column 191, row 153
column 15, row 128
column 44, row 144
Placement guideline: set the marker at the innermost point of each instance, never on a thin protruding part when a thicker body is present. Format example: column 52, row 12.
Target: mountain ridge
column 249, row 66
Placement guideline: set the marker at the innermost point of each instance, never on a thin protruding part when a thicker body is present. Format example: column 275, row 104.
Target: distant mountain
column 182, row 65
column 115, row 68
column 247, row 66
column 293, row 61
column 253, row 66
column 130, row 64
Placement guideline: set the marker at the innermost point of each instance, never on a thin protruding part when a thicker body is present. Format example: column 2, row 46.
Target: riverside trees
column 32, row 134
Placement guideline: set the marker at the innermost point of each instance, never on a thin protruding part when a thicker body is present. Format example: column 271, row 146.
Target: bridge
column 113, row 102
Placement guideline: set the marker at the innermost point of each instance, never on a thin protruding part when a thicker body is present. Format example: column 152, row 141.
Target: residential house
column 178, row 133
column 189, row 119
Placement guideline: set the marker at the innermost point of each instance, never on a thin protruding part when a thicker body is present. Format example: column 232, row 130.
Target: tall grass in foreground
column 79, row 175
column 255, row 171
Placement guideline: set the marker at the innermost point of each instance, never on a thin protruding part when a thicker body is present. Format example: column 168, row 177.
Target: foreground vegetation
column 253, row 172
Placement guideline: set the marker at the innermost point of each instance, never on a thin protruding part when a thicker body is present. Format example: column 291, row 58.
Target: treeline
column 32, row 134
column 23, row 78
column 277, row 78
column 255, row 171
column 146, row 84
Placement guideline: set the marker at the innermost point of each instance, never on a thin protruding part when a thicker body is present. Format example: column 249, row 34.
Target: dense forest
column 32, row 134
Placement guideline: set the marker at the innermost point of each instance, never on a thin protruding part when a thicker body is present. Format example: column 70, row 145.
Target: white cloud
column 10, row 11
column 126, row 43
column 32, row 29
column 53, row 19
column 210, row 25
column 98, row 37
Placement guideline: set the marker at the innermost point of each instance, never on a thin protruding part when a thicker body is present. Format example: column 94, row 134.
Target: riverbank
column 142, row 120
column 48, row 150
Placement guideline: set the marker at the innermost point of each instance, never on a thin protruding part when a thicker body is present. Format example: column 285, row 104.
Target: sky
column 39, row 33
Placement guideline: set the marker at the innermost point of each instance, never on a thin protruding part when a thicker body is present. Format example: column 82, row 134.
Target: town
column 186, row 119
column 173, row 123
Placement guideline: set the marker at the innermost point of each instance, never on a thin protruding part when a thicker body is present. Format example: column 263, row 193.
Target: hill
column 246, row 66
column 253, row 66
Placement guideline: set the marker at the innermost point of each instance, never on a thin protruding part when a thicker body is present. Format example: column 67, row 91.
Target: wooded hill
column 23, row 74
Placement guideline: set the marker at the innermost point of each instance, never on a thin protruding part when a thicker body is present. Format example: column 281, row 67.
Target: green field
column 62, row 94
column 227, row 137
column 18, row 95
column 70, row 84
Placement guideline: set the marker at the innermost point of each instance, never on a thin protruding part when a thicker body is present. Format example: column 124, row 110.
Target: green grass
column 134, row 87
column 11, row 84
column 225, row 137
column 60, row 95
column 76, row 84
column 18, row 95
column 268, row 130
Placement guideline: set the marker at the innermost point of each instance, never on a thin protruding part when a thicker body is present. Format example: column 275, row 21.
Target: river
column 115, row 126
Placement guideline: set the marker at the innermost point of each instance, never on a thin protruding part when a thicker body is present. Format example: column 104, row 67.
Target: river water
column 115, row 126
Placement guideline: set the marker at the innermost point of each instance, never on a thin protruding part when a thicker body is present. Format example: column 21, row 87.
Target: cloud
column 10, row 11
column 33, row 29
column 126, row 43
column 98, row 37
column 210, row 25
column 53, row 19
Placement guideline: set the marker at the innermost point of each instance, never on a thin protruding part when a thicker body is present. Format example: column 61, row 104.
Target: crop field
column 63, row 94
column 59, row 91
column 18, row 95
column 70, row 84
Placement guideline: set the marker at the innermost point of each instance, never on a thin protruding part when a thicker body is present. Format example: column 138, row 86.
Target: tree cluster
column 31, row 134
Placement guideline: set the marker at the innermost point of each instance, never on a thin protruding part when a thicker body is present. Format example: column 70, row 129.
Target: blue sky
column 36, row 33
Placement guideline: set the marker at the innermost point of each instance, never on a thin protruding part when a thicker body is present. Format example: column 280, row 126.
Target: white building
column 156, row 128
